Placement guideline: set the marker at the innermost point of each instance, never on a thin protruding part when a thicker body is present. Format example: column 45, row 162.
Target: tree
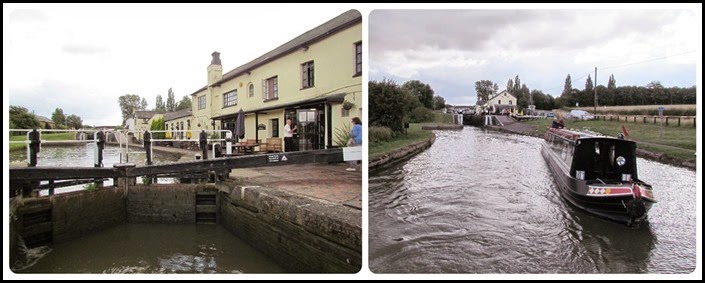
column 517, row 87
column 143, row 104
column 484, row 89
column 567, row 87
column 420, row 90
column 612, row 83
column 185, row 103
column 588, row 85
column 159, row 104
column 657, row 93
column 58, row 117
column 20, row 118
column 510, row 86
column 74, row 122
column 439, row 102
column 129, row 103
column 523, row 96
column 170, row 102
column 158, row 125
column 387, row 102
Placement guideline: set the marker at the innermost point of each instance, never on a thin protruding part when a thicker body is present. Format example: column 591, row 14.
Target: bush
column 444, row 118
column 91, row 187
column 342, row 135
column 421, row 115
column 379, row 134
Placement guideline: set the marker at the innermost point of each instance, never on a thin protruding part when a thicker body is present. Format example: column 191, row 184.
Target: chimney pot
column 216, row 58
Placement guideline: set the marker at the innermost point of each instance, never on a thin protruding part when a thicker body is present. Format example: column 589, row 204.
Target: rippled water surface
column 153, row 248
column 485, row 202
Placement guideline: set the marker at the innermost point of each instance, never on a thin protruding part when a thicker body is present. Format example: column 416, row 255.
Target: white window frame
column 307, row 75
column 230, row 98
column 270, row 93
column 201, row 102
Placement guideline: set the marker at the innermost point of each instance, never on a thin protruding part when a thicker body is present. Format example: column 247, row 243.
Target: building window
column 202, row 102
column 251, row 90
column 307, row 74
column 510, row 102
column 358, row 58
column 230, row 98
column 275, row 128
column 270, row 89
column 499, row 101
column 344, row 112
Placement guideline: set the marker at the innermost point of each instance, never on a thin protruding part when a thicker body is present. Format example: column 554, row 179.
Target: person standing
column 355, row 140
column 289, row 136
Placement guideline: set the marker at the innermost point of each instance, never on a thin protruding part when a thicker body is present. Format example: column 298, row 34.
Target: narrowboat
column 598, row 174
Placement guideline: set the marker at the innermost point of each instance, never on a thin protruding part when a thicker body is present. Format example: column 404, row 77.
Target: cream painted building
column 143, row 121
column 501, row 101
column 307, row 79
column 177, row 121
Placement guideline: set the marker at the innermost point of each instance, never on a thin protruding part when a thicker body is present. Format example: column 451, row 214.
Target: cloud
column 27, row 15
column 452, row 49
column 82, row 49
column 93, row 106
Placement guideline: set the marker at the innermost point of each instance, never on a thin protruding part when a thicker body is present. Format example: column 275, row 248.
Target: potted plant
column 347, row 105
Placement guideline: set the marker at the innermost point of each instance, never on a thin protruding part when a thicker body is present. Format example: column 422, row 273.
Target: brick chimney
column 215, row 70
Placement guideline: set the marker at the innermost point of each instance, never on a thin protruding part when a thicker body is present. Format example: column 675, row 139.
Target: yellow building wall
column 334, row 67
column 185, row 120
column 141, row 127
column 202, row 117
column 334, row 63
column 251, row 126
column 504, row 98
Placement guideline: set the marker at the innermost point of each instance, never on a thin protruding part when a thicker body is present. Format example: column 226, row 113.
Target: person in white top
column 289, row 136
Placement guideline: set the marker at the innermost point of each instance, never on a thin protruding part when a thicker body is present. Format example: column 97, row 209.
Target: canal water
column 480, row 201
column 84, row 156
column 134, row 247
column 152, row 248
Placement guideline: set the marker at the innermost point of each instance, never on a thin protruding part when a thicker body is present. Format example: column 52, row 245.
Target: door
column 311, row 128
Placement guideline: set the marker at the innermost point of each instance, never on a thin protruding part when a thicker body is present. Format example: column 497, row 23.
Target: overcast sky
column 82, row 57
column 452, row 49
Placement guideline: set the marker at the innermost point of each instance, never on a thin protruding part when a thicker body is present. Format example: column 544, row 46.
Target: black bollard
column 100, row 145
column 148, row 146
column 34, row 147
column 203, row 143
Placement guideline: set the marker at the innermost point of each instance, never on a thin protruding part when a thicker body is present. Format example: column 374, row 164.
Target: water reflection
column 84, row 156
column 485, row 202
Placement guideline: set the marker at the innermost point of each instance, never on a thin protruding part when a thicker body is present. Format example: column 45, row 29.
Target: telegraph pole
column 595, row 108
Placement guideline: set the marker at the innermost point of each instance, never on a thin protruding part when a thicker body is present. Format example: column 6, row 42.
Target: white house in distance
column 501, row 101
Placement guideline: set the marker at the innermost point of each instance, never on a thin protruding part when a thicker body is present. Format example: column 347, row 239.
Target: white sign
column 352, row 153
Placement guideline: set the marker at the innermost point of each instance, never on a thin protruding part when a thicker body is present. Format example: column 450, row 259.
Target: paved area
column 512, row 126
column 329, row 182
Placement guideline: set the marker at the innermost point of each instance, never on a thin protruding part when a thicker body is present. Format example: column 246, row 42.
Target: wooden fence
column 667, row 120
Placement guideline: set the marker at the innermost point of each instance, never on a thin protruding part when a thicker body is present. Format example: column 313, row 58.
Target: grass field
column 49, row 137
column 638, row 107
column 414, row 134
column 679, row 142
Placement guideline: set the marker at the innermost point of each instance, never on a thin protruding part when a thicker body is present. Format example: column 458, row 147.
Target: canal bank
column 454, row 208
column 515, row 127
column 306, row 218
column 400, row 154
